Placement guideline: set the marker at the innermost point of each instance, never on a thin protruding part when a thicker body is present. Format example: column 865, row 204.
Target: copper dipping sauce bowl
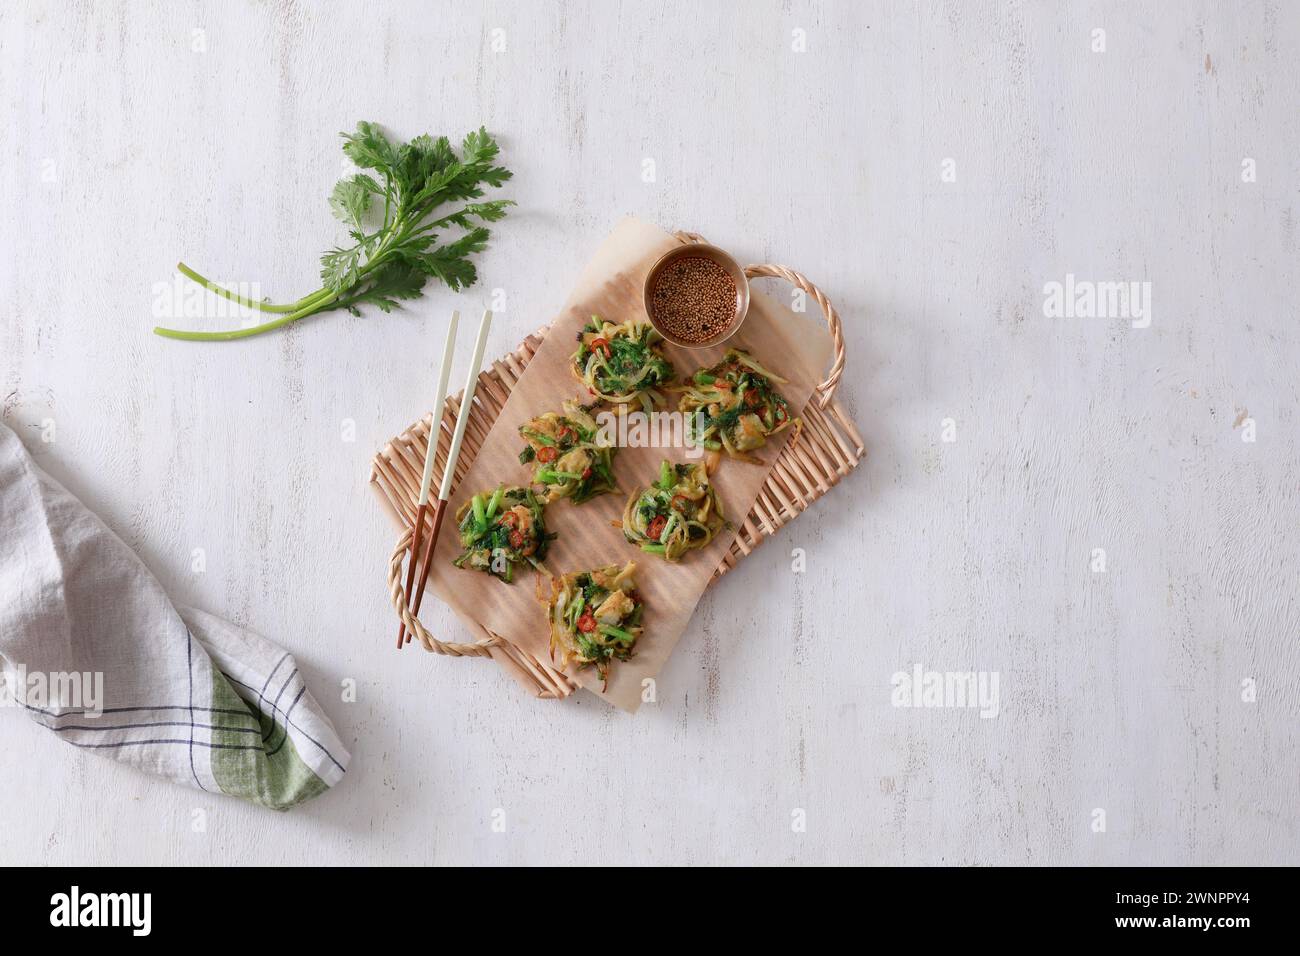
column 698, row 250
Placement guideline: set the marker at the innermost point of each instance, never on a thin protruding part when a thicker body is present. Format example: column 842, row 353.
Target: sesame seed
column 693, row 299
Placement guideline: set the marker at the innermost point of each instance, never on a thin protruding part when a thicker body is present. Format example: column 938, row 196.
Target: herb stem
column 312, row 307
column 225, row 293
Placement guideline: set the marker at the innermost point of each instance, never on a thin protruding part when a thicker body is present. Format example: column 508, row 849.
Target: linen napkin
column 93, row 650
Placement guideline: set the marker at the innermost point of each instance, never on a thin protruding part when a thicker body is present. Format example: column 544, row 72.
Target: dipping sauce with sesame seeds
column 693, row 299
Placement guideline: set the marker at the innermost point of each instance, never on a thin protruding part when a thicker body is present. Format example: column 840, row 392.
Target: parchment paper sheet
column 590, row 534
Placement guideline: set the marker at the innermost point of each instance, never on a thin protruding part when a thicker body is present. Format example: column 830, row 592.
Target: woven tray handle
column 397, row 596
column 826, row 390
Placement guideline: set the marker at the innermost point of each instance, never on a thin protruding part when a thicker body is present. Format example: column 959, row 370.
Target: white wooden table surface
column 932, row 166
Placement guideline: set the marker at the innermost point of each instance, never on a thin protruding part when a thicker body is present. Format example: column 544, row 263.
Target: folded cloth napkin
column 93, row 650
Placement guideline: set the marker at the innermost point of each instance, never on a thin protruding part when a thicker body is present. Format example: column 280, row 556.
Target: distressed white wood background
column 136, row 135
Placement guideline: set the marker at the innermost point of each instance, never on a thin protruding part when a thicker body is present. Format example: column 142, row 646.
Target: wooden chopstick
column 426, row 560
column 435, row 427
column 449, row 471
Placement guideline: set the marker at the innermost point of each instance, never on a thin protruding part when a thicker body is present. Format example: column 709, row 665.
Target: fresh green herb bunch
column 501, row 529
column 390, row 259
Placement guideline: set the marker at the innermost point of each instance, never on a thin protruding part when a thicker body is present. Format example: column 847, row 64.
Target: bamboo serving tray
column 827, row 449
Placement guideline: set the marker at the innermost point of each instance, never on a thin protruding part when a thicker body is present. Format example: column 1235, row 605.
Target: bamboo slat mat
column 827, row 449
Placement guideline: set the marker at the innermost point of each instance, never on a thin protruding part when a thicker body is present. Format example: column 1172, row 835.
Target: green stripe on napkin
column 274, row 776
